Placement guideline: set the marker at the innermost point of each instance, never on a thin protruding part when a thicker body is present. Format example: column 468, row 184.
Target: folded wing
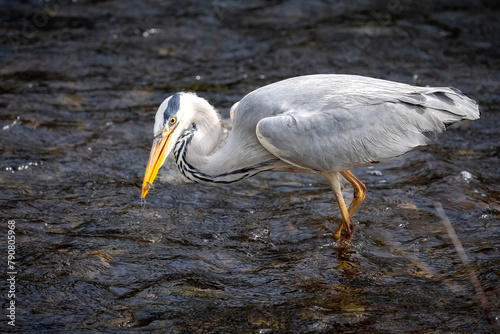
column 353, row 130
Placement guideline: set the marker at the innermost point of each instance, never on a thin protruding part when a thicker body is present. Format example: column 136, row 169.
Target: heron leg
column 346, row 223
column 359, row 191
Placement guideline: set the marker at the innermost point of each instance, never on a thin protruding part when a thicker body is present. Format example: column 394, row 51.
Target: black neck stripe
column 172, row 107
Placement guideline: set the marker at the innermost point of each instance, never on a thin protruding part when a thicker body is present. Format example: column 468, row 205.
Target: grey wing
column 336, row 139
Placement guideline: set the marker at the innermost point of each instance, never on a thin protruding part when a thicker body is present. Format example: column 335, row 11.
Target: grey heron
column 324, row 124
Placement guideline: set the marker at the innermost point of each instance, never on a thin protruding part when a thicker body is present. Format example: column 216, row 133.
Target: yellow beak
column 160, row 150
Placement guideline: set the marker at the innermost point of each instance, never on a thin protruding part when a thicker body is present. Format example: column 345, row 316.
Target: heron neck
column 204, row 159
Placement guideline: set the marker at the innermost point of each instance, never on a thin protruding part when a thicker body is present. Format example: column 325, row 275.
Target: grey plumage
column 335, row 123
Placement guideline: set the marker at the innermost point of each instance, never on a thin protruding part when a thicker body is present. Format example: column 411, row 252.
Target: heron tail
column 448, row 104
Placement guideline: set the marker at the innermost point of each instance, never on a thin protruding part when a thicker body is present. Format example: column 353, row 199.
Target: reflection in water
column 77, row 104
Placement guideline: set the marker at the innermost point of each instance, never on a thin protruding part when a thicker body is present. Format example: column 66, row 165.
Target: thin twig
column 483, row 299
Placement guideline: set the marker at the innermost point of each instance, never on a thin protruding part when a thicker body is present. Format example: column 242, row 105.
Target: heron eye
column 172, row 121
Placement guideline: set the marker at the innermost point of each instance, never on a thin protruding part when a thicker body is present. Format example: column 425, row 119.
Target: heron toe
column 344, row 231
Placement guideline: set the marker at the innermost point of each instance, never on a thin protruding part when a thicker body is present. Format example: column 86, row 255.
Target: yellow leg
column 359, row 191
column 346, row 224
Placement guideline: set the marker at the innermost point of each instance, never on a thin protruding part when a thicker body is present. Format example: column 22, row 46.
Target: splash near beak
column 159, row 151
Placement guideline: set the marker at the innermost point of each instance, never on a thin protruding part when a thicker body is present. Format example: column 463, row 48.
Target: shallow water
column 80, row 82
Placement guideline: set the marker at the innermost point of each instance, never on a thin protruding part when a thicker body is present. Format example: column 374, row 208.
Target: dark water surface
column 80, row 82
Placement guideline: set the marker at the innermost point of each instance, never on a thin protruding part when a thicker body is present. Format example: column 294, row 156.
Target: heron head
column 171, row 119
column 179, row 113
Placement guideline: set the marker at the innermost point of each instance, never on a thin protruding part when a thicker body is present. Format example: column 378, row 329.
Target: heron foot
column 344, row 231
